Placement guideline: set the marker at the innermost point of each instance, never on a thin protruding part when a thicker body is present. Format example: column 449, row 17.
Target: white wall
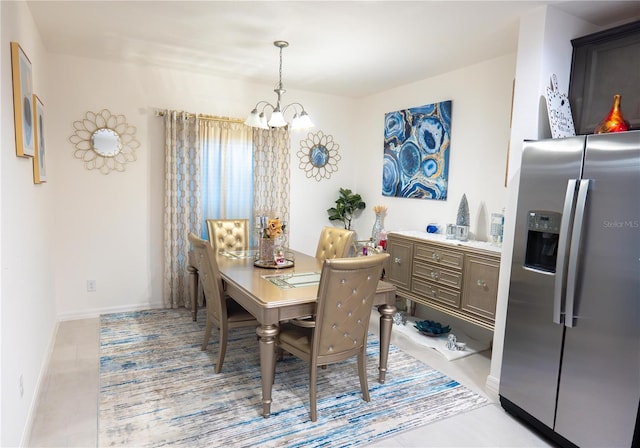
column 481, row 106
column 83, row 225
column 544, row 48
column 109, row 227
column 27, row 299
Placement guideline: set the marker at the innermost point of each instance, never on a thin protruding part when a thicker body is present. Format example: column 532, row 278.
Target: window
column 227, row 172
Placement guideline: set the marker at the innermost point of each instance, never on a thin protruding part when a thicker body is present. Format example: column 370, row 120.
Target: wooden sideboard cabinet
column 460, row 279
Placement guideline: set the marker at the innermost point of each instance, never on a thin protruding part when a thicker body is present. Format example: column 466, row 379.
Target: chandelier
column 259, row 120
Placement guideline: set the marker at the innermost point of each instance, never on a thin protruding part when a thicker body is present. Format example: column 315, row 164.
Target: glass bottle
column 614, row 121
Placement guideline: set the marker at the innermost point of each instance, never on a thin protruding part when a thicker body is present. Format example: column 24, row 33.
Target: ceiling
column 348, row 48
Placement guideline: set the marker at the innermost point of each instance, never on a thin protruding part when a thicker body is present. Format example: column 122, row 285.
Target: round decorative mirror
column 318, row 155
column 104, row 141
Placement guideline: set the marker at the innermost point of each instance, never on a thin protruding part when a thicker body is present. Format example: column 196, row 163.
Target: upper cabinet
column 605, row 64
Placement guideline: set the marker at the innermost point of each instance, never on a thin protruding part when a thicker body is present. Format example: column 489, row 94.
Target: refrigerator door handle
column 576, row 237
column 561, row 260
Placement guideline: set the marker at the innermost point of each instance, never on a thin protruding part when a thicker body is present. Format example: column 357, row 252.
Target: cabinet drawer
column 439, row 275
column 432, row 291
column 441, row 257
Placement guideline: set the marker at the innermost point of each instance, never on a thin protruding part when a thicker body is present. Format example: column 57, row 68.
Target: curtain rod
column 161, row 113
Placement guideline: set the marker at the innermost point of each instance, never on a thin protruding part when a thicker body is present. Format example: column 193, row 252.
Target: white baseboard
column 31, row 414
column 493, row 384
column 96, row 312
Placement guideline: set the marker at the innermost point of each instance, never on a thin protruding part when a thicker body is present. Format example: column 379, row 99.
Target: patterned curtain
column 271, row 174
column 182, row 211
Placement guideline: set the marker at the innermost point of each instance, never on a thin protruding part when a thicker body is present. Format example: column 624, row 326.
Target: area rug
column 157, row 388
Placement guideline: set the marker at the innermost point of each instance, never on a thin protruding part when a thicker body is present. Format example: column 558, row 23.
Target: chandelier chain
column 280, row 72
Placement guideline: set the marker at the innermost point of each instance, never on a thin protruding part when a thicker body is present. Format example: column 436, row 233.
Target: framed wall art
column 39, row 166
column 22, row 101
column 416, row 152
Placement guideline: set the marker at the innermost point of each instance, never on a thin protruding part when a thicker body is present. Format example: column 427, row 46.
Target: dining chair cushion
column 334, row 243
column 296, row 336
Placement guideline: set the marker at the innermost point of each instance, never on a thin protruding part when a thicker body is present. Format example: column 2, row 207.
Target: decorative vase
column 377, row 228
column 265, row 252
column 614, row 121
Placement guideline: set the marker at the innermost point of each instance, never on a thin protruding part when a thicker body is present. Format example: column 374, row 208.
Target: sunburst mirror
column 104, row 141
column 318, row 155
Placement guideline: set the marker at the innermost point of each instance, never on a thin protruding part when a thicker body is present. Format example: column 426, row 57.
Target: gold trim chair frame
column 338, row 331
column 104, row 141
column 222, row 311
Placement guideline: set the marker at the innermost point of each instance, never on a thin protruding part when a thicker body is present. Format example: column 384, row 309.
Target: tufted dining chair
column 338, row 330
column 222, row 310
column 228, row 234
column 334, row 243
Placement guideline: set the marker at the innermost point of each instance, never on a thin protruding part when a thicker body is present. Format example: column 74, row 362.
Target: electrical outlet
column 21, row 386
column 91, row 285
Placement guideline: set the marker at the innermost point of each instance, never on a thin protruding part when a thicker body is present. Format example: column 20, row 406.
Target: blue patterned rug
column 157, row 388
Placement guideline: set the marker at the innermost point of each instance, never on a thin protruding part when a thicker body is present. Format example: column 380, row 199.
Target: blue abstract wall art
column 416, row 152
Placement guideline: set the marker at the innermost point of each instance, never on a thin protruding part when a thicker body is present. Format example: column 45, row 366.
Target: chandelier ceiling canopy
column 258, row 119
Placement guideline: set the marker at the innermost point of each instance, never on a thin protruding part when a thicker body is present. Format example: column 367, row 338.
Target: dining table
column 276, row 294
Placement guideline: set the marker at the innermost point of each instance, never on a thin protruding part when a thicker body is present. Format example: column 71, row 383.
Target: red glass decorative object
column 614, row 122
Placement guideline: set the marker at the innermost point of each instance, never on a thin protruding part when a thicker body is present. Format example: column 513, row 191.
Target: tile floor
column 67, row 416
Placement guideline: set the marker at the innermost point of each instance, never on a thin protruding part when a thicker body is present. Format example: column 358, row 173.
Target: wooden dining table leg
column 267, row 336
column 386, row 324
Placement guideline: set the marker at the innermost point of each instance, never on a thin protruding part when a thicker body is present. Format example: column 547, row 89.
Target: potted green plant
column 347, row 204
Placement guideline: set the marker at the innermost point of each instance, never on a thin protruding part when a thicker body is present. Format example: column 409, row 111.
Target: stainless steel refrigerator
column 571, row 360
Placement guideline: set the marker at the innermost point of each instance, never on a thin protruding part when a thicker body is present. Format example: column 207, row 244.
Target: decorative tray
column 272, row 265
column 431, row 328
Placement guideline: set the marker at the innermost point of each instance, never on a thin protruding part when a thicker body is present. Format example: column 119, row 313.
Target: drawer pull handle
column 434, row 275
column 396, row 260
column 482, row 283
column 435, row 256
column 434, row 293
